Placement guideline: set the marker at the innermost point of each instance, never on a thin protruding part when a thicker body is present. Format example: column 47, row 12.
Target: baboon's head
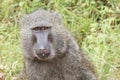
column 42, row 35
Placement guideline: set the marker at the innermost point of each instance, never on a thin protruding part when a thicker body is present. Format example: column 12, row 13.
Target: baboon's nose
column 43, row 50
column 42, row 53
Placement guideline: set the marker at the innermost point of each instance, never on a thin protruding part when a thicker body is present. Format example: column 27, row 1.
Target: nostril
column 43, row 51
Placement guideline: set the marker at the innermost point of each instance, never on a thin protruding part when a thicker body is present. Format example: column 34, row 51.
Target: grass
column 94, row 23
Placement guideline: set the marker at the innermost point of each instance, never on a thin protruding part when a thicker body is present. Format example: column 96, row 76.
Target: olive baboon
column 50, row 52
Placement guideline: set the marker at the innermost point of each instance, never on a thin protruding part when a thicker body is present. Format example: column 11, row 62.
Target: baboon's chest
column 45, row 72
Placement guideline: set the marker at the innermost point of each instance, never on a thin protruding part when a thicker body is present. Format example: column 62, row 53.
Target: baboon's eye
column 46, row 28
column 37, row 28
column 40, row 28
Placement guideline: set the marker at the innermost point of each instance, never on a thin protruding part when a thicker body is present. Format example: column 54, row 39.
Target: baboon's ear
column 57, row 18
column 72, row 45
column 23, row 21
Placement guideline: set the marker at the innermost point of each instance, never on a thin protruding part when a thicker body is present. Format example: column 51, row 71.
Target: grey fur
column 68, row 63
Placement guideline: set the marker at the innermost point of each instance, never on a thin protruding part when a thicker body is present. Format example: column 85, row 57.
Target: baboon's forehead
column 41, row 24
column 41, row 18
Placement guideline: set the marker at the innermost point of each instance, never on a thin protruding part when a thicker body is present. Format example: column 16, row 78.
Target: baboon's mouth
column 42, row 55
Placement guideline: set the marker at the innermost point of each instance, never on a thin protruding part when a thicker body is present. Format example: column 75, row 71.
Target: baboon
column 50, row 51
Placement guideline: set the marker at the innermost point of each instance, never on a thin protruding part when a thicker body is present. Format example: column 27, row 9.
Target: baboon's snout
column 42, row 53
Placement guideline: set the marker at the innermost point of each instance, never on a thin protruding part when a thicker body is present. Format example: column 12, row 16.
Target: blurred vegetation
column 94, row 23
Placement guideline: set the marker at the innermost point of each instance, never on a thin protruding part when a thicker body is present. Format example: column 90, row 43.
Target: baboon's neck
column 45, row 70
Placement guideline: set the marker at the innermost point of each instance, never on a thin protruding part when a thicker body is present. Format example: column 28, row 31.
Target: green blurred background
column 94, row 23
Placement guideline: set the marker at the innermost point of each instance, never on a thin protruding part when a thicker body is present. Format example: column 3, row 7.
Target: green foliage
column 94, row 23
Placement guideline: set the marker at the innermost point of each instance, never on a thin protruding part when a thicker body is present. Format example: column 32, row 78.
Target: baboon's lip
column 42, row 58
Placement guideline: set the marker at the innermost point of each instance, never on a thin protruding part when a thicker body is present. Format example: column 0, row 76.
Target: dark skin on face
column 42, row 41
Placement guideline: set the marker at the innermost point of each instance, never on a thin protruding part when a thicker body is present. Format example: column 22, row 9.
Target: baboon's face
column 43, row 42
column 42, row 35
